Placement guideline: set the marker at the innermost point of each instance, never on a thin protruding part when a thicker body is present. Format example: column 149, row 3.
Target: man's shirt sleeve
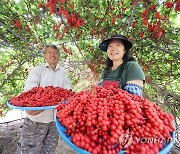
column 66, row 83
column 33, row 79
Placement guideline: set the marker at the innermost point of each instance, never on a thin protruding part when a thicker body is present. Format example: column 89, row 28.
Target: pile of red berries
column 38, row 96
column 97, row 119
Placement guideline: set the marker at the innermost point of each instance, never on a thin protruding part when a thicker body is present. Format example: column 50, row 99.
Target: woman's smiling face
column 115, row 50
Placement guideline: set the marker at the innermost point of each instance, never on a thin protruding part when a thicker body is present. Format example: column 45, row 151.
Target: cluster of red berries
column 97, row 118
column 39, row 96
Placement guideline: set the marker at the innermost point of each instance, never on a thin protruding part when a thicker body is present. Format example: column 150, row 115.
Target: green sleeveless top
column 131, row 71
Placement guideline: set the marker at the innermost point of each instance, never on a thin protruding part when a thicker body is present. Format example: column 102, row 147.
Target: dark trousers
column 37, row 138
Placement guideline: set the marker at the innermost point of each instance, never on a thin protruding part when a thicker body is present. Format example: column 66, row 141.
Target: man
column 38, row 133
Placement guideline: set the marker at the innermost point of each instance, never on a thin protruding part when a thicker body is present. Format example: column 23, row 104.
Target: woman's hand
column 34, row 112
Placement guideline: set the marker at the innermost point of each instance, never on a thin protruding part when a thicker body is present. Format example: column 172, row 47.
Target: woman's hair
column 51, row 46
column 127, row 57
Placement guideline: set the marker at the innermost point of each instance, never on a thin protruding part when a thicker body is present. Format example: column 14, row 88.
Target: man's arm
column 33, row 80
column 34, row 112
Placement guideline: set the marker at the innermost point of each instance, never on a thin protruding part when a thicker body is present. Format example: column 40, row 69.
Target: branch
column 76, row 41
column 131, row 17
column 164, row 91
column 72, row 38
column 20, row 37
column 29, row 10
column 164, row 50
column 7, row 44
column 23, row 39
column 8, row 77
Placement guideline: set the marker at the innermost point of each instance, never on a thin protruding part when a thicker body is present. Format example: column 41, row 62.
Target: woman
column 121, row 69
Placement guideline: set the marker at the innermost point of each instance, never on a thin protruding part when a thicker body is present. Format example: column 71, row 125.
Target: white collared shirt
column 43, row 75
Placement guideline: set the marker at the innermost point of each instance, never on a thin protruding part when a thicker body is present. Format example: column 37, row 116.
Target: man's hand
column 34, row 112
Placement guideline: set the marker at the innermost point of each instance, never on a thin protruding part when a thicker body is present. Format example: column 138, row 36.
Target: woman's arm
column 134, row 89
column 135, row 79
column 137, row 82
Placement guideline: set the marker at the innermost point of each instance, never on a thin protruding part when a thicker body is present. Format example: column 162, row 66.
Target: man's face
column 52, row 56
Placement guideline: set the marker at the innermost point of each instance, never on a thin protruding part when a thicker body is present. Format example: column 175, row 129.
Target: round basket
column 29, row 108
column 61, row 130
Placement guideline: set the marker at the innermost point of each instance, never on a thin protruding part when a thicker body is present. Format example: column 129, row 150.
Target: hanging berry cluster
column 73, row 19
column 66, row 50
column 155, row 28
column 97, row 118
column 39, row 96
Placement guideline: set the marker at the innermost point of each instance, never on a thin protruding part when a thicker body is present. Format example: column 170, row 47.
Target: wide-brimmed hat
column 128, row 45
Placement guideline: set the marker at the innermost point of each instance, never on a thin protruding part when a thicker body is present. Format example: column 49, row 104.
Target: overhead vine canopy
column 77, row 27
